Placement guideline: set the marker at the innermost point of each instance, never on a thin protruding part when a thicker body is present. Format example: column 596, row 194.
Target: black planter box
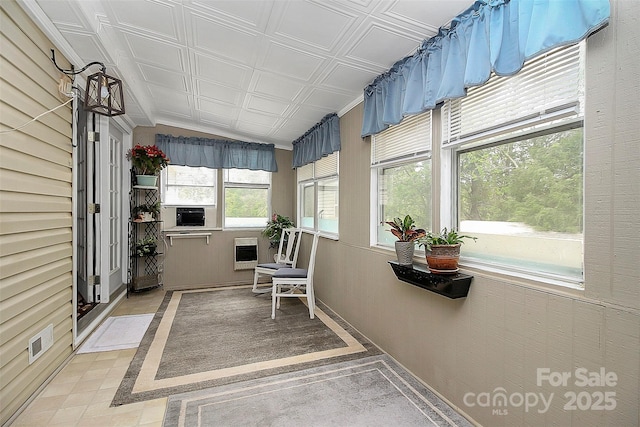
column 450, row 285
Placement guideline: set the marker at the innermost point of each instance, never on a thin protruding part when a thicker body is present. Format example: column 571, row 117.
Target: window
column 246, row 198
column 515, row 149
column 318, row 191
column 189, row 186
column 401, row 176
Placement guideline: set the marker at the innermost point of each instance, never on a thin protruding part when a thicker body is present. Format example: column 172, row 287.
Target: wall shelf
column 187, row 236
column 451, row 286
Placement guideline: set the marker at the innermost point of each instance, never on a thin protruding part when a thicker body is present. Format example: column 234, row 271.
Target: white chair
column 287, row 256
column 295, row 282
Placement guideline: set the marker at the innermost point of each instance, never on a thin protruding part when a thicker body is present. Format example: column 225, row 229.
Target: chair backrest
column 312, row 257
column 289, row 246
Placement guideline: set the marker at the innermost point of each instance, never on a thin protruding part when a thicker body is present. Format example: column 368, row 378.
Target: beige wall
column 192, row 263
column 35, row 210
column 507, row 328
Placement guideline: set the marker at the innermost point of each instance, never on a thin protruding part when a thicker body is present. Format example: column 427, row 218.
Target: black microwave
column 191, row 217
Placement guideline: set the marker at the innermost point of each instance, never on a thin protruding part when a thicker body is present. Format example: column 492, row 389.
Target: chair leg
column 255, row 281
column 307, row 292
column 273, row 301
column 311, row 299
column 278, row 297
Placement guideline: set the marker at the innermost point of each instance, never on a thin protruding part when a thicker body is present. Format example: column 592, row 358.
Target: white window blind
column 188, row 186
column 326, row 166
column 548, row 88
column 411, row 137
column 247, row 176
column 305, row 172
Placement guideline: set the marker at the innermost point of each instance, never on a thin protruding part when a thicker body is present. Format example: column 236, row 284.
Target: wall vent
column 40, row 343
column 245, row 253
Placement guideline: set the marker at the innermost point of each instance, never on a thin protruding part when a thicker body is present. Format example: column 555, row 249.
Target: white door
column 88, row 206
column 115, row 244
column 96, row 153
column 83, row 251
column 104, row 210
column 100, row 204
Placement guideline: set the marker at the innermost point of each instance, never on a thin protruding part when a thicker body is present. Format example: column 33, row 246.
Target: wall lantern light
column 103, row 94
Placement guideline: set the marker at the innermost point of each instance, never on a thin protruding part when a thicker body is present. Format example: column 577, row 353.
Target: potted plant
column 146, row 213
column 273, row 230
column 147, row 162
column 146, row 246
column 443, row 250
column 154, row 208
column 407, row 234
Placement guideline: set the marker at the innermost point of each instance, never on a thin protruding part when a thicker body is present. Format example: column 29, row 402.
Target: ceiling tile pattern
column 254, row 70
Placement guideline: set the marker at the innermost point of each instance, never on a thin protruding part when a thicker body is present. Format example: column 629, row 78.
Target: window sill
column 526, row 279
column 451, row 286
column 323, row 234
column 329, row 236
column 241, row 228
column 188, row 229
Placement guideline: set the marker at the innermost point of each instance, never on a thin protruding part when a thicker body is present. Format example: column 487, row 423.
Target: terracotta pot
column 443, row 259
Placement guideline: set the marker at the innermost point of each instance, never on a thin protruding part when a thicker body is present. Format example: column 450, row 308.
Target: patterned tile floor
column 80, row 394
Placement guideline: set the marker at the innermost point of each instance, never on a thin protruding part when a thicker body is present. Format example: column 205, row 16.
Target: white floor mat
column 117, row 333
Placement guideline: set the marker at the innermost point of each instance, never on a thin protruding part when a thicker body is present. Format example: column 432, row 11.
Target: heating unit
column 245, row 253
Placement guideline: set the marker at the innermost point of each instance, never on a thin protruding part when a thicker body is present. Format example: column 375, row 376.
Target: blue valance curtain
column 321, row 140
column 217, row 153
column 492, row 35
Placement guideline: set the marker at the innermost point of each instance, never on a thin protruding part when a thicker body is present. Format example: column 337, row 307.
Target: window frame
column 411, row 154
column 231, row 184
column 566, row 118
column 376, row 207
column 312, row 182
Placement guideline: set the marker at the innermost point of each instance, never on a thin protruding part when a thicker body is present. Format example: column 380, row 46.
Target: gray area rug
column 372, row 391
column 206, row 338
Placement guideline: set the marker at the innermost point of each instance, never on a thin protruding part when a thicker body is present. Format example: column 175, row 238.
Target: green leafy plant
column 146, row 246
column 275, row 225
column 147, row 159
column 154, row 208
column 445, row 237
column 405, row 229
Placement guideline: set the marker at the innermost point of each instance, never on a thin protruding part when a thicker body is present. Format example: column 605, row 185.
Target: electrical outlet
column 93, row 136
column 64, row 87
